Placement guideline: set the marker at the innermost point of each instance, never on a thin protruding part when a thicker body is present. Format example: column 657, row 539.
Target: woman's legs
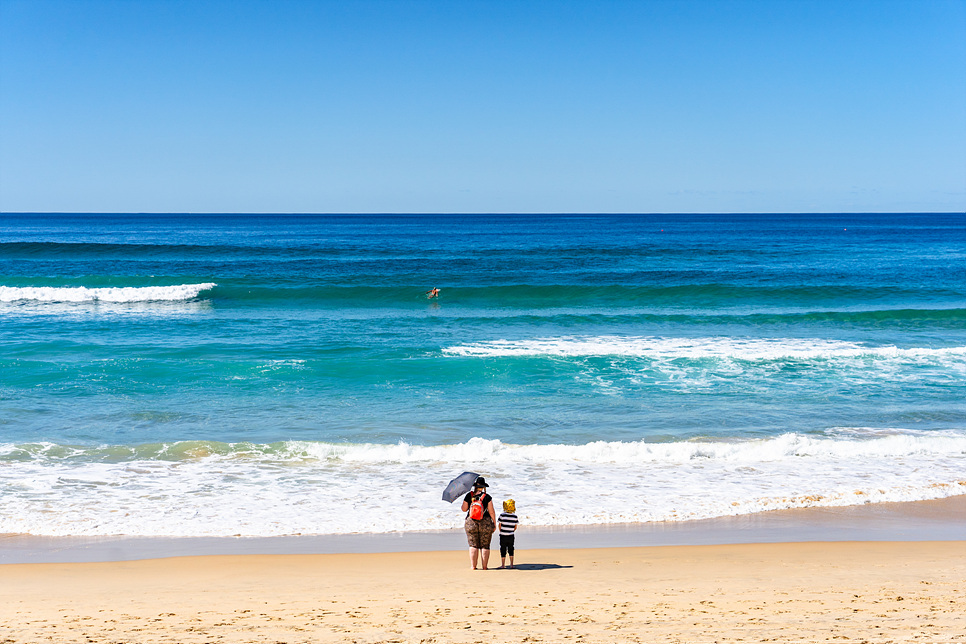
column 478, row 535
column 472, row 540
column 486, row 535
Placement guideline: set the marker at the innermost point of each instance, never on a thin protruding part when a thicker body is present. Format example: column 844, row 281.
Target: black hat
column 480, row 482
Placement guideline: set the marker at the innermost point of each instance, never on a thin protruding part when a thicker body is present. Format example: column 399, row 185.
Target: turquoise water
column 187, row 369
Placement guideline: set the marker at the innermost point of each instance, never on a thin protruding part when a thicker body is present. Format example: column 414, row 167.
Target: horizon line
column 540, row 213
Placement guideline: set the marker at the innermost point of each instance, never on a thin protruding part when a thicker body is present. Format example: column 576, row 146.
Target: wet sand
column 939, row 520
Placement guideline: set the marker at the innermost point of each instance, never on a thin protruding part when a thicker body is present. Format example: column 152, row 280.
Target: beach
column 899, row 585
column 796, row 592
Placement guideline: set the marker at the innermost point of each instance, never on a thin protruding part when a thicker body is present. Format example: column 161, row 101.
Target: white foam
column 202, row 489
column 657, row 347
column 82, row 294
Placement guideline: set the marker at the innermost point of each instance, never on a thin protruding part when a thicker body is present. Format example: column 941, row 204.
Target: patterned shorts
column 479, row 533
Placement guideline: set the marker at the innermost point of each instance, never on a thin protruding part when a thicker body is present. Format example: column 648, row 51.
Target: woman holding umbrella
column 480, row 521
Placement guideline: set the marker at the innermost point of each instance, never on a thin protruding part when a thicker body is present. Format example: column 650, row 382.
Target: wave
column 690, row 348
column 115, row 295
column 202, row 488
column 601, row 303
column 596, row 304
column 836, row 443
column 363, row 286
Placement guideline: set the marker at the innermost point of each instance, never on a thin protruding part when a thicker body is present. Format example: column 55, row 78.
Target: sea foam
column 202, row 488
column 672, row 347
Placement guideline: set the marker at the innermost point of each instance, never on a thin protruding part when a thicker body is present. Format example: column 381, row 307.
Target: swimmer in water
column 431, row 293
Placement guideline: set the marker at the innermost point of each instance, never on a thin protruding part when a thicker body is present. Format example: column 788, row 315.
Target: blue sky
column 463, row 106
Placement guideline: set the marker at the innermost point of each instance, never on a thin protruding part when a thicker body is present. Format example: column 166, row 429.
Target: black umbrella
column 459, row 486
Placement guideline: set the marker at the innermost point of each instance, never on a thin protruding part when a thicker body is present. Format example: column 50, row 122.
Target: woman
column 479, row 532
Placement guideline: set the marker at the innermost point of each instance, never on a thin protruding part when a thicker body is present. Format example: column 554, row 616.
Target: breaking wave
column 691, row 348
column 204, row 488
column 116, row 295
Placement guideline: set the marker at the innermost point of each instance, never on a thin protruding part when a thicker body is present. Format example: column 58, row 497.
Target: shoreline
column 934, row 520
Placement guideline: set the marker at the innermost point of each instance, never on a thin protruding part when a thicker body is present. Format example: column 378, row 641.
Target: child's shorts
column 506, row 544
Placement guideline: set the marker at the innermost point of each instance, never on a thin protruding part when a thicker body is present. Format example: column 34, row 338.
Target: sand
column 797, row 592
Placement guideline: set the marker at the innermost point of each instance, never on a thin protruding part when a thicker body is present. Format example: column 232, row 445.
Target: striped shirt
column 508, row 523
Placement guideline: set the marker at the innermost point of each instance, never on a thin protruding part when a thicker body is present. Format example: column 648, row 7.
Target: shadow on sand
column 537, row 566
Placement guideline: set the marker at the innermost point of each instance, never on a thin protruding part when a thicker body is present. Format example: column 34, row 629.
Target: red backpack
column 476, row 508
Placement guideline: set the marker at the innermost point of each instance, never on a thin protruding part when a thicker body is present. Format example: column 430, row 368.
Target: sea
column 262, row 375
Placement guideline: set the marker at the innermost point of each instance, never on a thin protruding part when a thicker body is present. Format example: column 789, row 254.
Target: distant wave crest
column 81, row 294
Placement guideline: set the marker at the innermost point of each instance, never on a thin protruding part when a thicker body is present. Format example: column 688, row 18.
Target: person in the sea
column 433, row 292
column 507, row 523
column 480, row 522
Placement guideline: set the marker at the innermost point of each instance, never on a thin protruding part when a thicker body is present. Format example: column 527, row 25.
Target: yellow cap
column 509, row 505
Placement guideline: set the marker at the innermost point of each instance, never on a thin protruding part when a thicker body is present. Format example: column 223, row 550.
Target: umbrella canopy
column 459, row 486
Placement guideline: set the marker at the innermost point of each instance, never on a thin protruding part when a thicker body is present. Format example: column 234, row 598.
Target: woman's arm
column 489, row 507
column 465, row 506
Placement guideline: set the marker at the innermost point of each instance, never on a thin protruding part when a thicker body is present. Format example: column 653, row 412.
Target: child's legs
column 506, row 547
column 509, row 547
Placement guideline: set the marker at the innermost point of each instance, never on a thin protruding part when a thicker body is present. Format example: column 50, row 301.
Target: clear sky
column 482, row 106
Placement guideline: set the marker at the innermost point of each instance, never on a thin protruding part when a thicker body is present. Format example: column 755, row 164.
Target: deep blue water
column 318, row 327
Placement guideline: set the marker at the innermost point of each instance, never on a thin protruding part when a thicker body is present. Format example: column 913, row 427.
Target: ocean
column 260, row 375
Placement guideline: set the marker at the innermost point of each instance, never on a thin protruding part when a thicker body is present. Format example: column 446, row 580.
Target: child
column 508, row 524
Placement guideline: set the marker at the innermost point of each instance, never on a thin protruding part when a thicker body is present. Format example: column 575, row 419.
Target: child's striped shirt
column 508, row 523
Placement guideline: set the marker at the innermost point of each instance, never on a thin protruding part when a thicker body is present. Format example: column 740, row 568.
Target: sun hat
column 480, row 482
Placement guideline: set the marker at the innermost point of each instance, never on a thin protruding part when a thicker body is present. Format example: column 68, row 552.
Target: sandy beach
column 797, row 592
